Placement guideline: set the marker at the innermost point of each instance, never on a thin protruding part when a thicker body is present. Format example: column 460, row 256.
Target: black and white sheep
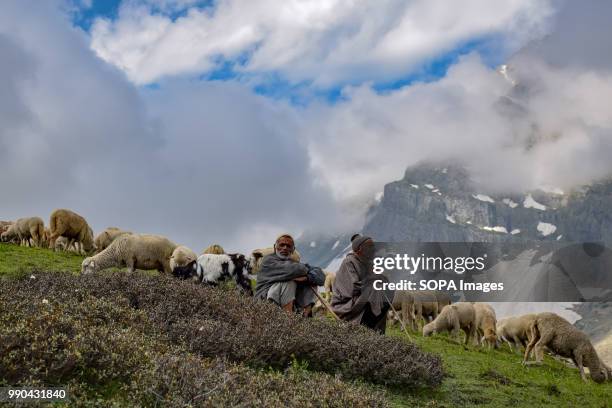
column 214, row 268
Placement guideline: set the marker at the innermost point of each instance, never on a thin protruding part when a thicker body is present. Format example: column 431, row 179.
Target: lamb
column 66, row 223
column 26, row 228
column 515, row 330
column 181, row 257
column 106, row 237
column 213, row 268
column 485, row 324
column 214, row 249
column 258, row 254
column 460, row 315
column 134, row 251
column 558, row 335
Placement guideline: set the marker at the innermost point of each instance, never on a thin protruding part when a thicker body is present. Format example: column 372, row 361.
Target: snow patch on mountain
column 546, row 228
column 531, row 203
column 515, row 231
column 510, row 203
column 483, row 197
column 450, row 218
column 496, row 229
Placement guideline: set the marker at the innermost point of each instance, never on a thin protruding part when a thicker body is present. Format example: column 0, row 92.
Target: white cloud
column 199, row 163
column 328, row 41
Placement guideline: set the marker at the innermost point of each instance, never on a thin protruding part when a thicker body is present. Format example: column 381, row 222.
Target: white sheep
column 106, row 237
column 559, row 336
column 515, row 330
column 486, row 322
column 25, row 229
column 214, row 268
column 134, row 251
column 181, row 257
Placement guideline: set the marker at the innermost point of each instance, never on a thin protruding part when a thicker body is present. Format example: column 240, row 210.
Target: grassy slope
column 477, row 378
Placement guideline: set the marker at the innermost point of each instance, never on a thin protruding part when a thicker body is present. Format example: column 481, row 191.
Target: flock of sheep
column 116, row 248
column 535, row 332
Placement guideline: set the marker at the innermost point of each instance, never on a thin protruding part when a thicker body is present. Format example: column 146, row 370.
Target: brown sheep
column 515, row 330
column 460, row 315
column 106, row 237
column 214, row 249
column 66, row 223
column 485, row 324
column 559, row 336
column 26, row 229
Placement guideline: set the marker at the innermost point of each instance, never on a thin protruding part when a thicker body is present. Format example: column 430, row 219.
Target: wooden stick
column 324, row 303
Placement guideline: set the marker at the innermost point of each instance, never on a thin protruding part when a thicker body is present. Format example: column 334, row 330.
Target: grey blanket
column 275, row 269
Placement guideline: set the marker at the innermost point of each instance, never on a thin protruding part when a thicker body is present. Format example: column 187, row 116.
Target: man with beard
column 354, row 298
column 289, row 284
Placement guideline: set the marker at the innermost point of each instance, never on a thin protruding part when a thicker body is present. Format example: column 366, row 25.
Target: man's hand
column 301, row 279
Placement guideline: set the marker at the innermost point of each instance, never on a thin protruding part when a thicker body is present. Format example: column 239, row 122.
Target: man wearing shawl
column 354, row 298
column 287, row 283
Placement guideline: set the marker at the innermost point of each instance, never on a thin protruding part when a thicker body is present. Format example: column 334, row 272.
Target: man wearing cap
column 285, row 282
column 354, row 298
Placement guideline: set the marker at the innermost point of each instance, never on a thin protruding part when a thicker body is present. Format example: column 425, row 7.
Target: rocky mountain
column 436, row 202
column 439, row 202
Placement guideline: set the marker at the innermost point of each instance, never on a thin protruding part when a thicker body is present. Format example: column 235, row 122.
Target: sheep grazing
column 66, row 223
column 403, row 303
column 214, row 249
column 515, row 330
column 134, row 251
column 559, row 336
column 425, row 306
column 460, row 315
column 486, row 323
column 106, row 237
column 181, row 257
column 25, row 229
column 258, row 254
column 4, row 225
column 213, row 268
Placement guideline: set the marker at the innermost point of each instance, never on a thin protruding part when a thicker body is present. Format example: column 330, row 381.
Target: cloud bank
column 212, row 161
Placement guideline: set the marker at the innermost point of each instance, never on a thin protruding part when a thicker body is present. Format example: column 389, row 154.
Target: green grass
column 17, row 260
column 482, row 378
column 476, row 377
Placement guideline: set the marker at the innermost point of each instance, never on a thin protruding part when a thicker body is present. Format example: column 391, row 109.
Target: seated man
column 287, row 283
column 354, row 298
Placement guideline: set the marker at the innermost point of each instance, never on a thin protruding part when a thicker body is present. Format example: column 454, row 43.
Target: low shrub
column 213, row 322
column 108, row 354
